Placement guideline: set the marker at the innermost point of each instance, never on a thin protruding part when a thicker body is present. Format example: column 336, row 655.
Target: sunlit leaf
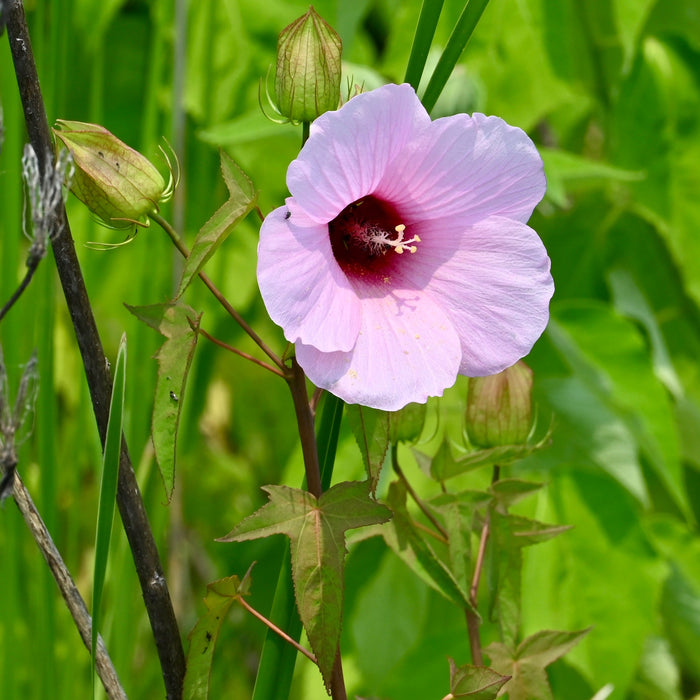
column 608, row 355
column 242, row 200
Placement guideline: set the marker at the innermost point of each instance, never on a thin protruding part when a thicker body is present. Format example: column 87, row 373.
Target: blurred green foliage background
column 610, row 91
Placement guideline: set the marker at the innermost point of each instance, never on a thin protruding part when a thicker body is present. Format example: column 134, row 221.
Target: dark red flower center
column 367, row 235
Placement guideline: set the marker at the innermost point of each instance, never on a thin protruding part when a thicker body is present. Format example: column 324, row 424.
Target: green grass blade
column 425, row 31
column 455, row 45
column 278, row 658
column 108, row 491
column 327, row 438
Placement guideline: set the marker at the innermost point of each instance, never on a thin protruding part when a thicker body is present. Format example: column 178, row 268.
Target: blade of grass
column 425, row 31
column 278, row 658
column 455, row 45
column 108, row 491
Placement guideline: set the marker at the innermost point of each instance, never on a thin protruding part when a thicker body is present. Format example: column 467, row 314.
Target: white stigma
column 377, row 240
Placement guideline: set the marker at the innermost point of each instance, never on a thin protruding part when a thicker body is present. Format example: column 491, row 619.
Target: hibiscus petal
column 496, row 289
column 302, row 286
column 348, row 150
column 468, row 168
column 406, row 351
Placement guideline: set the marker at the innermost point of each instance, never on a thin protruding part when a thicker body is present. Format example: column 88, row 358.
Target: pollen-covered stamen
column 378, row 240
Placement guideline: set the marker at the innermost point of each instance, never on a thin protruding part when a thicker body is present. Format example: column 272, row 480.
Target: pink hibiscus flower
column 402, row 257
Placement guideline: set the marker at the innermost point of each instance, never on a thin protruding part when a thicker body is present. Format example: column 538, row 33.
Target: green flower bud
column 114, row 181
column 499, row 407
column 307, row 81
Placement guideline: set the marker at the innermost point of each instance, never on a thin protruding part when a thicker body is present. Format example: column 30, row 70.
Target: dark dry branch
column 18, row 292
column 74, row 602
column 133, row 514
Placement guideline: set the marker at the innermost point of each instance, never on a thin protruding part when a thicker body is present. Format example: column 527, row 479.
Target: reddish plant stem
column 307, row 435
column 472, row 617
column 240, row 353
column 184, row 251
column 305, row 420
column 277, row 630
column 411, row 491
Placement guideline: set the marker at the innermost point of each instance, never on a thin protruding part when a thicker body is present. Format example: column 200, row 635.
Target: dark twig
column 133, row 514
column 18, row 292
column 74, row 602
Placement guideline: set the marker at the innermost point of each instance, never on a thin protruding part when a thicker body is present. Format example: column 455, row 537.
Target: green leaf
column 527, row 663
column 316, row 530
column 510, row 491
column 527, row 532
column 590, row 433
column 277, row 659
column 630, row 300
column 242, row 200
column 179, row 324
column 444, row 466
column 569, row 171
column 475, row 682
column 406, row 425
column 108, row 491
column 457, row 511
column 371, row 429
column 504, row 577
column 220, row 596
column 412, row 546
column 607, row 353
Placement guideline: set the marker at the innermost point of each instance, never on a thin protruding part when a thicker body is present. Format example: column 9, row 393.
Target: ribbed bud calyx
column 307, row 80
column 499, row 407
column 113, row 180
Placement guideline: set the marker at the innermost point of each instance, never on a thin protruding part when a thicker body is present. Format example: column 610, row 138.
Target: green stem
column 425, row 31
column 278, row 658
column 455, row 45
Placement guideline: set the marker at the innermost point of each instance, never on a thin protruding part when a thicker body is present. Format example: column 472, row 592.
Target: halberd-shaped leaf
column 220, row 596
column 474, row 682
column 316, row 530
column 179, row 324
column 241, row 202
column 527, row 663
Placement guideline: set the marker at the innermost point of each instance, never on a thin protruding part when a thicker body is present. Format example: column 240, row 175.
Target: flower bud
column 499, row 407
column 307, row 81
column 114, row 181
